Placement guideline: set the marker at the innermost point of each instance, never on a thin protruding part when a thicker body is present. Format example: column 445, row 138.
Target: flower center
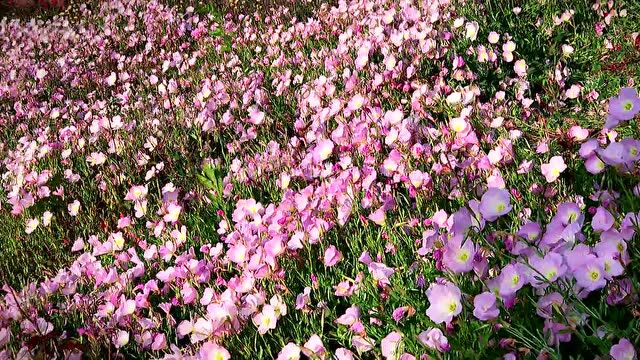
column 500, row 207
column 266, row 321
column 515, row 279
column 452, row 306
column 594, row 275
column 463, row 256
column 551, row 274
column 627, row 105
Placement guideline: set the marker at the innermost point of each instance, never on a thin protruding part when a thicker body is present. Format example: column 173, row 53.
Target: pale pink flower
column 74, row 208
column 332, row 256
column 578, row 133
column 553, row 168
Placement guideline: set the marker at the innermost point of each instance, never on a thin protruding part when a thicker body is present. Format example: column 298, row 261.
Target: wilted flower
column 434, row 339
column 485, row 307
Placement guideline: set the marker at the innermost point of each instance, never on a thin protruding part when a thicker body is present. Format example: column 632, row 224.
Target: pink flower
column 290, row 351
column 459, row 254
column 444, row 302
column 343, row 354
column 111, row 79
column 389, row 345
column 256, row 116
column 121, row 338
column 576, row 133
column 356, row 102
column 173, row 211
column 362, row 344
column 32, row 224
column 623, row 350
column 159, row 342
column 520, row 67
column 266, row 320
column 322, row 151
column 553, row 169
column 332, row 256
column 434, row 339
column 314, row 348
column 213, row 351
column 74, row 208
column 573, row 92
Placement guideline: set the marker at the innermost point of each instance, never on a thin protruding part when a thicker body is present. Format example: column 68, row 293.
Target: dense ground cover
column 366, row 179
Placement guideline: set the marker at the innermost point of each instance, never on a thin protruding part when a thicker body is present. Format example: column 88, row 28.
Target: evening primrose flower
column 291, row 351
column 459, row 254
column 567, row 50
column 494, row 203
column 32, row 224
column 594, row 165
column 493, row 37
column 454, row 98
column 173, row 211
column 625, row 106
column 213, row 351
column 471, row 30
column 573, row 92
column 434, row 339
column 551, row 267
column 553, row 168
column 356, row 102
column 323, row 150
column 314, row 348
column 485, row 306
column 623, row 350
column 332, row 256
column 602, row 220
column 511, row 280
column 389, row 345
column 591, row 275
column 266, row 320
column 520, row 67
column 444, row 302
column 121, row 338
column 578, row 133
column 344, row 354
column 74, row 208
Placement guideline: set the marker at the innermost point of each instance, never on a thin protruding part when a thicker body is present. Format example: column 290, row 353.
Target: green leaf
column 205, row 182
